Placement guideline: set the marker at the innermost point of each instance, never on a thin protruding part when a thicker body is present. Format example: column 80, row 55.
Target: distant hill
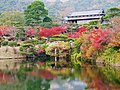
column 57, row 7
column 18, row 5
column 62, row 8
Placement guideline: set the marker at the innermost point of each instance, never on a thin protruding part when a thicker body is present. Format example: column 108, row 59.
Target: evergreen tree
column 35, row 13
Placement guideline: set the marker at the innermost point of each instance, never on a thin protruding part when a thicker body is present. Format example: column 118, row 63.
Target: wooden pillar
column 55, row 57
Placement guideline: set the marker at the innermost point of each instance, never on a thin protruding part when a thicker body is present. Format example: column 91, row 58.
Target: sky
column 55, row 0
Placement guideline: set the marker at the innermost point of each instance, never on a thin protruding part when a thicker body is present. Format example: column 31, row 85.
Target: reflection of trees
column 93, row 78
column 101, row 78
column 33, row 82
column 23, row 79
column 6, row 78
column 105, row 78
column 37, row 84
column 112, row 74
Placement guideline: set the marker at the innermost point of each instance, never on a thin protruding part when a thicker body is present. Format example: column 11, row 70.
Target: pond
column 26, row 76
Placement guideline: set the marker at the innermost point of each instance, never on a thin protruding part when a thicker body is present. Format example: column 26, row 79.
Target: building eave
column 85, row 18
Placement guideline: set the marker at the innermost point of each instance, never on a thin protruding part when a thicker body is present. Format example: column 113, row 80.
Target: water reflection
column 87, row 77
column 10, row 64
column 67, row 84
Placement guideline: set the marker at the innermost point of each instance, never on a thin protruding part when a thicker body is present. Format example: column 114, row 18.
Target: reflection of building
column 84, row 16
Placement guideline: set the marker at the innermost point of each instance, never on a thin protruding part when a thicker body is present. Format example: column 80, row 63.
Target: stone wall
column 7, row 52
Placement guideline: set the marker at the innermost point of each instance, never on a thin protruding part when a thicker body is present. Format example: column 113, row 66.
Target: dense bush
column 62, row 49
column 12, row 43
column 60, row 37
column 112, row 74
column 111, row 55
column 27, row 48
column 32, row 41
column 76, row 55
column 4, row 43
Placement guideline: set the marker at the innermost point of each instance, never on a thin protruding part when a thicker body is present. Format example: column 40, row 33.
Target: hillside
column 17, row 5
column 63, row 8
column 59, row 8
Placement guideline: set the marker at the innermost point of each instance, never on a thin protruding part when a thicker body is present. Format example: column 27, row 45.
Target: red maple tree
column 5, row 30
column 99, row 37
column 78, row 33
column 48, row 32
column 31, row 32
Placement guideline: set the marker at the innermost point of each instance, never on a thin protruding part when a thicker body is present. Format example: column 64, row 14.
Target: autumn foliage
column 78, row 33
column 4, row 30
column 48, row 32
column 45, row 32
column 93, row 41
column 99, row 37
column 31, row 32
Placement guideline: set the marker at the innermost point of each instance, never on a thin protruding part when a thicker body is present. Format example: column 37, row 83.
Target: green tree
column 35, row 13
column 112, row 12
column 12, row 18
column 47, row 19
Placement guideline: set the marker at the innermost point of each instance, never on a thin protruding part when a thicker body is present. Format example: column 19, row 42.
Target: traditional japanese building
column 83, row 17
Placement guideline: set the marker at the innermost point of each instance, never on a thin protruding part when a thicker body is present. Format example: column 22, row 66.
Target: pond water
column 88, row 77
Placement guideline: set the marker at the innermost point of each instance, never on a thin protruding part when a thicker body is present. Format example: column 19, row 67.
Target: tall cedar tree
column 35, row 13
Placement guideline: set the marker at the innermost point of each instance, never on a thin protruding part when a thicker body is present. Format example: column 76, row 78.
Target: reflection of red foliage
column 47, row 74
column 98, row 84
column 6, row 78
column 44, row 74
column 41, row 63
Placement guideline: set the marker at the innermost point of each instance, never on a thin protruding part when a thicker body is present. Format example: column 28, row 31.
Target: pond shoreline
column 7, row 52
column 12, row 58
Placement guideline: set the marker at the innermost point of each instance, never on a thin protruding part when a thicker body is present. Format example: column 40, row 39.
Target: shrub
column 12, row 43
column 27, row 48
column 60, row 37
column 111, row 55
column 95, row 22
column 4, row 43
column 32, row 41
column 56, row 39
column 62, row 49
column 44, row 46
column 76, row 59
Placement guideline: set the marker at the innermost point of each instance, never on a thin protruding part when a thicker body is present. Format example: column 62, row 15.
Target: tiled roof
column 86, row 13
